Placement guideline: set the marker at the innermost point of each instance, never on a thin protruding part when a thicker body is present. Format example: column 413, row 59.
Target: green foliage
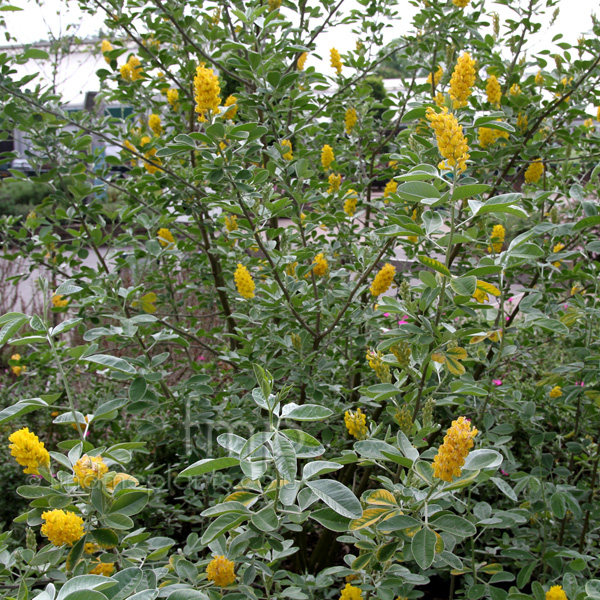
column 211, row 338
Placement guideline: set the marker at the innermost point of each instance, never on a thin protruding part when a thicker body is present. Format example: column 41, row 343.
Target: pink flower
column 511, row 299
column 579, row 383
column 202, row 358
column 508, row 318
column 566, row 305
column 403, row 321
column 497, row 382
column 504, row 472
column 386, row 314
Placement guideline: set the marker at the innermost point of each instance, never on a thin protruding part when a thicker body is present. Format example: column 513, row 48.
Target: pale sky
column 32, row 24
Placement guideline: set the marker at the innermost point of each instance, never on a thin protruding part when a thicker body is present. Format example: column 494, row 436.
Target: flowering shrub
column 334, row 342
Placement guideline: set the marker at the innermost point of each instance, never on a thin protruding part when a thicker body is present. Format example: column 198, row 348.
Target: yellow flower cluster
column 106, row 47
column 498, row 234
column 462, row 80
column 534, row 171
column 577, row 289
column 455, row 449
column 231, row 112
column 62, row 527
column 165, row 237
column 382, row 370
column 206, row 92
column 327, row 156
column 27, row 449
column 522, row 122
column 435, row 78
column 59, row 301
column 356, row 423
column 220, row 571
column 336, row 61
column 555, row 392
column 155, row 124
column 493, row 90
column 88, row 470
column 321, row 265
column 132, row 69
column 288, row 155
column 173, row 98
column 390, row 188
column 151, row 155
column 556, row 593
column 301, row 61
column 334, row 183
column 350, row 203
column 515, row 89
column 461, row 3
column 244, row 282
column 351, row 592
column 101, row 568
column 350, row 120
column 488, row 136
column 231, row 223
column 450, row 139
column 383, row 280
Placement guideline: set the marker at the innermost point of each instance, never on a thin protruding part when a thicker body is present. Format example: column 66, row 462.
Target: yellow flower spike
column 288, row 155
column 321, row 265
column 555, row 392
column 351, row 592
column 173, row 98
column 155, row 124
column 556, row 593
column 135, row 68
column 451, row 141
column 334, row 183
column 336, row 61
column 231, row 105
column 488, row 136
column 106, row 47
column 383, row 280
column 327, row 156
column 390, row 188
column 62, row 527
column 206, row 92
column 522, row 122
column 539, row 79
column 301, row 61
column 220, row 571
column 534, row 171
column 350, row 203
column 461, row 3
column 463, row 80
column 493, row 90
column 435, row 77
column 515, row 89
column 88, row 470
column 498, row 234
column 145, row 141
column 27, row 449
column 165, row 237
column 244, row 282
column 231, row 223
column 382, row 370
column 455, row 449
column 350, row 120
column 356, row 423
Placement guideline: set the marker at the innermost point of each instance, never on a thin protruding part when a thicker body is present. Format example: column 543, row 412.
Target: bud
column 554, row 215
column 452, row 344
column 30, row 539
column 554, row 16
column 450, row 51
column 580, row 45
column 403, row 417
column 428, row 412
column 558, row 61
column 296, row 341
column 496, row 25
column 402, row 353
column 405, row 291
